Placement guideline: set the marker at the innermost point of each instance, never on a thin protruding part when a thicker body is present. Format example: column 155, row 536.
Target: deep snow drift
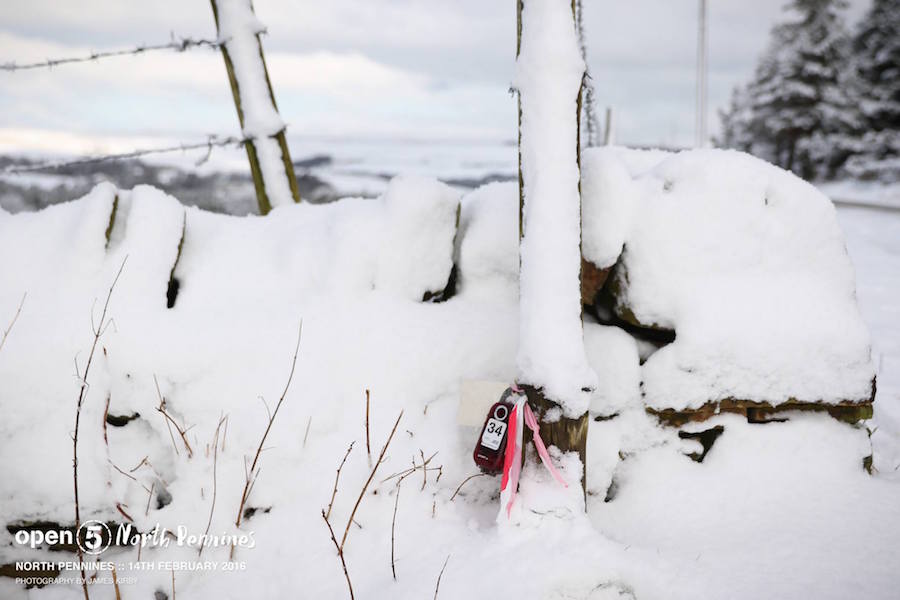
column 781, row 510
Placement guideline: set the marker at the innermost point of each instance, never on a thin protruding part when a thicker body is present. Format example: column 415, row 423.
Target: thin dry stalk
column 412, row 469
column 306, row 433
column 212, row 506
column 149, row 498
column 116, row 582
column 394, row 522
column 97, row 331
column 465, row 481
column 123, row 513
column 340, row 553
column 337, row 477
column 169, row 420
column 251, row 474
column 173, row 583
column 424, row 471
column 368, row 445
column 13, row 322
column 371, row 476
column 441, row 574
column 393, row 528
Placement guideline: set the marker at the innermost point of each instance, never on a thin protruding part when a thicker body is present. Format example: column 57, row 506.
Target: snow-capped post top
column 238, row 28
column 548, row 77
column 261, row 125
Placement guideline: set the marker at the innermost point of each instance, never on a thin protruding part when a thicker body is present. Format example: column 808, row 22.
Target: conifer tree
column 876, row 48
column 797, row 111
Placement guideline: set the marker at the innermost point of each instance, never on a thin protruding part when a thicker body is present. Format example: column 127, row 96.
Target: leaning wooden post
column 551, row 361
column 262, row 127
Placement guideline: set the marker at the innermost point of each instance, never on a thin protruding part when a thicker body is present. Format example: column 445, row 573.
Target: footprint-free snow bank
column 745, row 263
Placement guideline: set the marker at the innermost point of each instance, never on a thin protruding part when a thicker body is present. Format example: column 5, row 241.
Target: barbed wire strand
column 178, row 44
column 212, row 142
column 590, row 115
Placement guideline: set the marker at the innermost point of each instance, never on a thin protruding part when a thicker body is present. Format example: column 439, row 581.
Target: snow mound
column 613, row 354
column 417, row 244
column 745, row 262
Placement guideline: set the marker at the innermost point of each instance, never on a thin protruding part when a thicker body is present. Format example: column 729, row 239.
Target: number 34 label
column 493, row 434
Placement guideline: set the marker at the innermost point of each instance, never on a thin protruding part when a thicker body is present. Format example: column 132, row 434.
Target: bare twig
column 123, row 513
column 97, row 331
column 253, row 472
column 178, row 44
column 169, row 420
column 173, row 583
column 116, row 582
column 424, row 471
column 13, row 322
column 371, row 476
column 394, row 519
column 441, row 574
column 465, row 481
column 340, row 553
column 212, row 506
column 368, row 445
column 393, row 527
column 149, row 498
column 306, row 433
column 337, row 476
column 415, row 467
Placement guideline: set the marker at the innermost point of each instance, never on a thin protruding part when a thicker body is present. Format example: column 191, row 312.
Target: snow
column 781, row 510
column 548, row 77
column 608, row 197
column 613, row 354
column 423, row 213
column 239, row 30
column 488, row 245
column 747, row 264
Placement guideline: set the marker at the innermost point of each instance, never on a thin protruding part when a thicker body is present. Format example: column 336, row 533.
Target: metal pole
column 701, row 100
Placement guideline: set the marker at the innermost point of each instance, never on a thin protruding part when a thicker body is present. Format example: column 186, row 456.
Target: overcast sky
column 434, row 69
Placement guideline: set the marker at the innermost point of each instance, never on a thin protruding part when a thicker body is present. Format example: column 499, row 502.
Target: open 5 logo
column 93, row 537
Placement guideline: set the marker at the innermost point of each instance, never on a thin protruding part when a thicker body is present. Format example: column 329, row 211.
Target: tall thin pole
column 701, row 106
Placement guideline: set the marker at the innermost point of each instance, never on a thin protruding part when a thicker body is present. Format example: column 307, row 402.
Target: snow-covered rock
column 745, row 262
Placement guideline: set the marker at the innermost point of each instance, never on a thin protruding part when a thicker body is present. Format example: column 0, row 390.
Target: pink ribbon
column 512, row 460
column 541, row 448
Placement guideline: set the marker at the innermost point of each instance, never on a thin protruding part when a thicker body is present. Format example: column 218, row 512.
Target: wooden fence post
column 567, row 434
column 267, row 149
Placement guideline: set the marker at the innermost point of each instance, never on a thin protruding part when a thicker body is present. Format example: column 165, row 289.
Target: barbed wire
column 212, row 141
column 590, row 115
column 178, row 44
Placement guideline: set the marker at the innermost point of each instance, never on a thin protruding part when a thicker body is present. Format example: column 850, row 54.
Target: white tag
column 493, row 434
column 476, row 398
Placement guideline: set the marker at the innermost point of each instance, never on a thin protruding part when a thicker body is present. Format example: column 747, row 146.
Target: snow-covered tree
column 797, row 112
column 876, row 48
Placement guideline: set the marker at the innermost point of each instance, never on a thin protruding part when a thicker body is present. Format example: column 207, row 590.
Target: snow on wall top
column 745, row 261
column 548, row 76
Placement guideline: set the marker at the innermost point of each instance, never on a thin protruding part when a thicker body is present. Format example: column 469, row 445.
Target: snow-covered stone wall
column 746, row 264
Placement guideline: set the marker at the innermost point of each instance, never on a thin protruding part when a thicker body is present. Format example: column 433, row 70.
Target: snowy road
column 873, row 240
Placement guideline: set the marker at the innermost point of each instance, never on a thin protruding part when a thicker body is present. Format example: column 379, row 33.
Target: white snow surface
column 781, row 510
column 746, row 262
column 548, row 77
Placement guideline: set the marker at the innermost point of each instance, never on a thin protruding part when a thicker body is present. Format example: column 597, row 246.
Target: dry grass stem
column 97, row 331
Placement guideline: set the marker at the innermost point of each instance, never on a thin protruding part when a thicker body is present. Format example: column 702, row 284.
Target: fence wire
column 177, row 44
column 211, row 143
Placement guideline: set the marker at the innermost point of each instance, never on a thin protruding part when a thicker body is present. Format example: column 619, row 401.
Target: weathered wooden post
column 552, row 366
column 266, row 144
